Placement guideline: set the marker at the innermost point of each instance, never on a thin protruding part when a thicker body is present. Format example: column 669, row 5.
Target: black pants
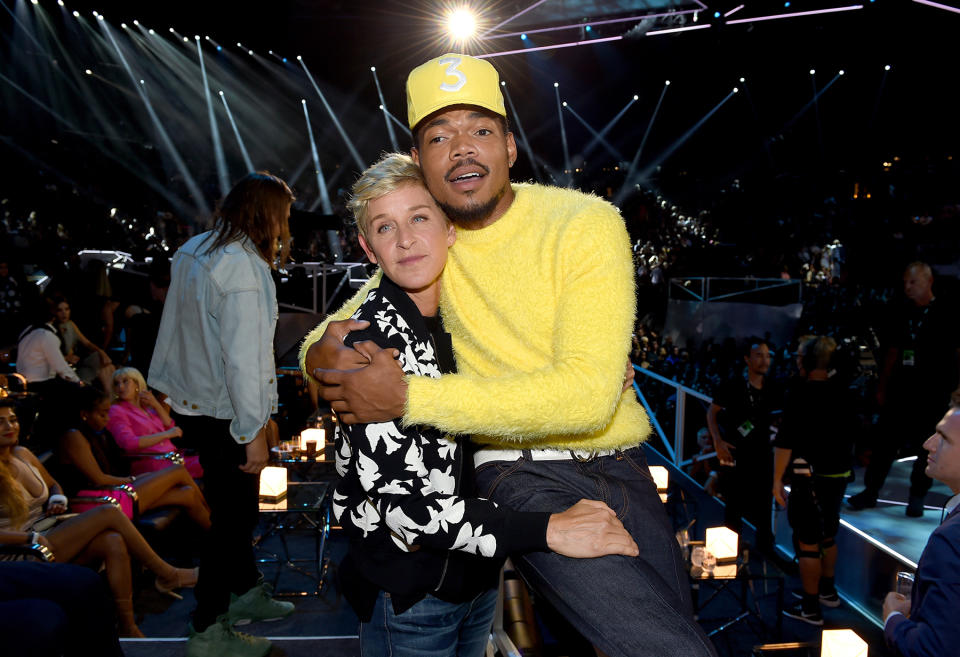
column 50, row 609
column 748, row 493
column 903, row 426
column 227, row 563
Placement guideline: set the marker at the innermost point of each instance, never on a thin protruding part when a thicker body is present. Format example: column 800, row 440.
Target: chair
column 31, row 551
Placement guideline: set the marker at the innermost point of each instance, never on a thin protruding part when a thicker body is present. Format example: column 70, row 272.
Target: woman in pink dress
column 140, row 423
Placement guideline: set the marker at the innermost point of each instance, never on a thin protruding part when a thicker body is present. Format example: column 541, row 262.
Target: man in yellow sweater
column 539, row 299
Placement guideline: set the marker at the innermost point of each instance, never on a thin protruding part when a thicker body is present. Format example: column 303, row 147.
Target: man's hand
column 895, row 602
column 628, row 376
column 329, row 352
column 723, row 452
column 257, row 454
column 780, row 493
column 376, row 393
column 588, row 529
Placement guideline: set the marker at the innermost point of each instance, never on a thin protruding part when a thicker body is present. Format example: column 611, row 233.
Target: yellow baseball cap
column 452, row 79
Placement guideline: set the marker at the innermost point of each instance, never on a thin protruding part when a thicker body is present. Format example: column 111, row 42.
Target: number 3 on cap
column 452, row 72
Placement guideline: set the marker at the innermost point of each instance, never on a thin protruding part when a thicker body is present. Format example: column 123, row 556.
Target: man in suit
column 925, row 625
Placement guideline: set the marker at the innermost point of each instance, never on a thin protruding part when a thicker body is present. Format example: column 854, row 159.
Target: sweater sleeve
column 344, row 312
column 581, row 386
column 418, row 504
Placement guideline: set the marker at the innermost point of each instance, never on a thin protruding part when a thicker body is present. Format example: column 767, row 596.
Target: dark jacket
column 405, row 499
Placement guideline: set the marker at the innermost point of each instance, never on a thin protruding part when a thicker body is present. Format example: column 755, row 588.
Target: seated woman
column 100, row 535
column 96, row 364
column 88, row 457
column 140, row 423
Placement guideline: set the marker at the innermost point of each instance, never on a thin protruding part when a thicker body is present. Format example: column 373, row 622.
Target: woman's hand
column 174, row 432
column 72, row 358
column 147, row 400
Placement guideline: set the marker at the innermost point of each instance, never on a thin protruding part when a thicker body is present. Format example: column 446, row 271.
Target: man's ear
column 415, row 154
column 511, row 149
column 451, row 234
column 371, row 256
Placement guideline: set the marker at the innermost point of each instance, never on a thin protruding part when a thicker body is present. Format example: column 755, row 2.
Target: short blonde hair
column 131, row 373
column 388, row 174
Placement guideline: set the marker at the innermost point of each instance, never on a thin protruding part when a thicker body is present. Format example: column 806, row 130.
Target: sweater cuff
column 527, row 531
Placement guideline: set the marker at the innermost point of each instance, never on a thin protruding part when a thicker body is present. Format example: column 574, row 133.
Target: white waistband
column 489, row 454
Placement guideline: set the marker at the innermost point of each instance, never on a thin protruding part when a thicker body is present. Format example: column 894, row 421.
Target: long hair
column 13, row 505
column 256, row 208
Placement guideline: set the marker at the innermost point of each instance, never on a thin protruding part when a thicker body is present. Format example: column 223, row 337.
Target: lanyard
column 917, row 324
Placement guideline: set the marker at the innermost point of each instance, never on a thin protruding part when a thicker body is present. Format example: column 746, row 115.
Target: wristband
column 57, row 499
column 34, row 538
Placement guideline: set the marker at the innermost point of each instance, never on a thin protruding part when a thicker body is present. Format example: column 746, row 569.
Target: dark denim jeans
column 626, row 606
column 430, row 628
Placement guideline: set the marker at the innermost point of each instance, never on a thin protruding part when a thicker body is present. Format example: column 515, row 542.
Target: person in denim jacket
column 214, row 361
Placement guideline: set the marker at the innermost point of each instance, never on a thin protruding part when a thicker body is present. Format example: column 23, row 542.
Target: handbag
column 123, row 496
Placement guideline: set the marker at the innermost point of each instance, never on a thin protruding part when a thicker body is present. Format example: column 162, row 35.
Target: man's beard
column 473, row 214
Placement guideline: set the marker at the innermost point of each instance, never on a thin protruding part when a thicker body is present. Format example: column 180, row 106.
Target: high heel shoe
column 183, row 578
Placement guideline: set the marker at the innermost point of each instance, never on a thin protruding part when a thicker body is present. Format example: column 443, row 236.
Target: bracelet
column 57, row 499
column 34, row 538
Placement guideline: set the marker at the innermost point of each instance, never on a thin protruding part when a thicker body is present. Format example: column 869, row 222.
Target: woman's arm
column 148, row 401
column 128, row 439
column 77, row 451
column 82, row 339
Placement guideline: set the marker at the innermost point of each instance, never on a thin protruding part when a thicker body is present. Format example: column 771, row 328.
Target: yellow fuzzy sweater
column 540, row 305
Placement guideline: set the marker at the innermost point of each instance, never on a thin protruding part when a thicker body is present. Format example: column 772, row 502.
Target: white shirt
column 39, row 357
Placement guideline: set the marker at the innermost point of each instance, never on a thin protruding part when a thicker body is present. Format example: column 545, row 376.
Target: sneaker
column 257, row 605
column 811, row 618
column 221, row 639
column 865, row 499
column 831, row 599
column 915, row 507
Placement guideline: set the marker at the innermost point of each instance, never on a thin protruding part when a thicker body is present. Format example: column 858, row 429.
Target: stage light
column 151, row 31
column 716, row 14
column 100, row 17
column 196, row 37
column 743, row 80
column 60, row 2
column 220, row 92
column 556, row 84
column 250, row 52
column 186, row 40
column 887, row 67
column 735, row 90
column 380, row 107
column 841, row 72
column 88, row 72
column 636, row 97
column 564, row 103
column 523, row 37
column 136, row 22
column 461, row 24
column 36, row 2
column 502, row 83
column 269, row 52
column 219, row 48
column 373, row 69
column 667, row 83
column 76, row 14
column 303, row 101
column 239, row 45
column 299, row 58
column 123, row 25
column 207, row 38
column 142, row 82
column 588, row 28
column 813, row 71
column 786, row 4
column 171, row 30
column 284, row 60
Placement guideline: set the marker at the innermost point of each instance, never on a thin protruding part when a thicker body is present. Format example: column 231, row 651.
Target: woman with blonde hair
column 30, row 499
column 141, row 423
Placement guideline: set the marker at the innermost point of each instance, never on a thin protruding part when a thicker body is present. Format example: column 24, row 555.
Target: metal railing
column 705, row 288
column 351, row 273
column 674, row 446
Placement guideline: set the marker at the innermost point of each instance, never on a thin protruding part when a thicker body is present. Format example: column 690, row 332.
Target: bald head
column 918, row 283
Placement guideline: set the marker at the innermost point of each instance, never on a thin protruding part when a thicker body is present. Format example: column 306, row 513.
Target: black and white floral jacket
column 404, row 494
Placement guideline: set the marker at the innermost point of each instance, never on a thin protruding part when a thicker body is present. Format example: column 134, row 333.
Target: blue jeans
column 430, row 628
column 626, row 606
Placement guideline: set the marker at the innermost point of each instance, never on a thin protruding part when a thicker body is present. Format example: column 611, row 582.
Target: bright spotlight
column 284, row 60
column 249, row 52
column 136, row 22
column 196, row 37
column 667, row 83
column 100, row 17
column 60, row 2
column 36, row 2
column 76, row 14
column 142, row 82
column 502, row 83
column 299, row 58
column 380, row 107
column 735, row 90
column 303, row 101
column 219, row 48
column 841, row 72
column 564, row 103
column 716, row 14
column 123, row 25
column 151, row 31
column 887, row 67
column 373, row 69
column 636, row 97
column 743, row 80
column 269, row 52
column 523, row 37
column 556, row 84
column 221, row 93
column 588, row 28
column 171, row 30
column 207, row 38
column 88, row 72
column 813, row 71
column 461, row 24
column 239, row 45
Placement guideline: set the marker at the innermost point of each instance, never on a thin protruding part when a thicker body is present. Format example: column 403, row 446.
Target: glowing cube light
column 273, row 484
column 661, row 477
column 842, row 643
column 722, row 542
column 316, row 435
